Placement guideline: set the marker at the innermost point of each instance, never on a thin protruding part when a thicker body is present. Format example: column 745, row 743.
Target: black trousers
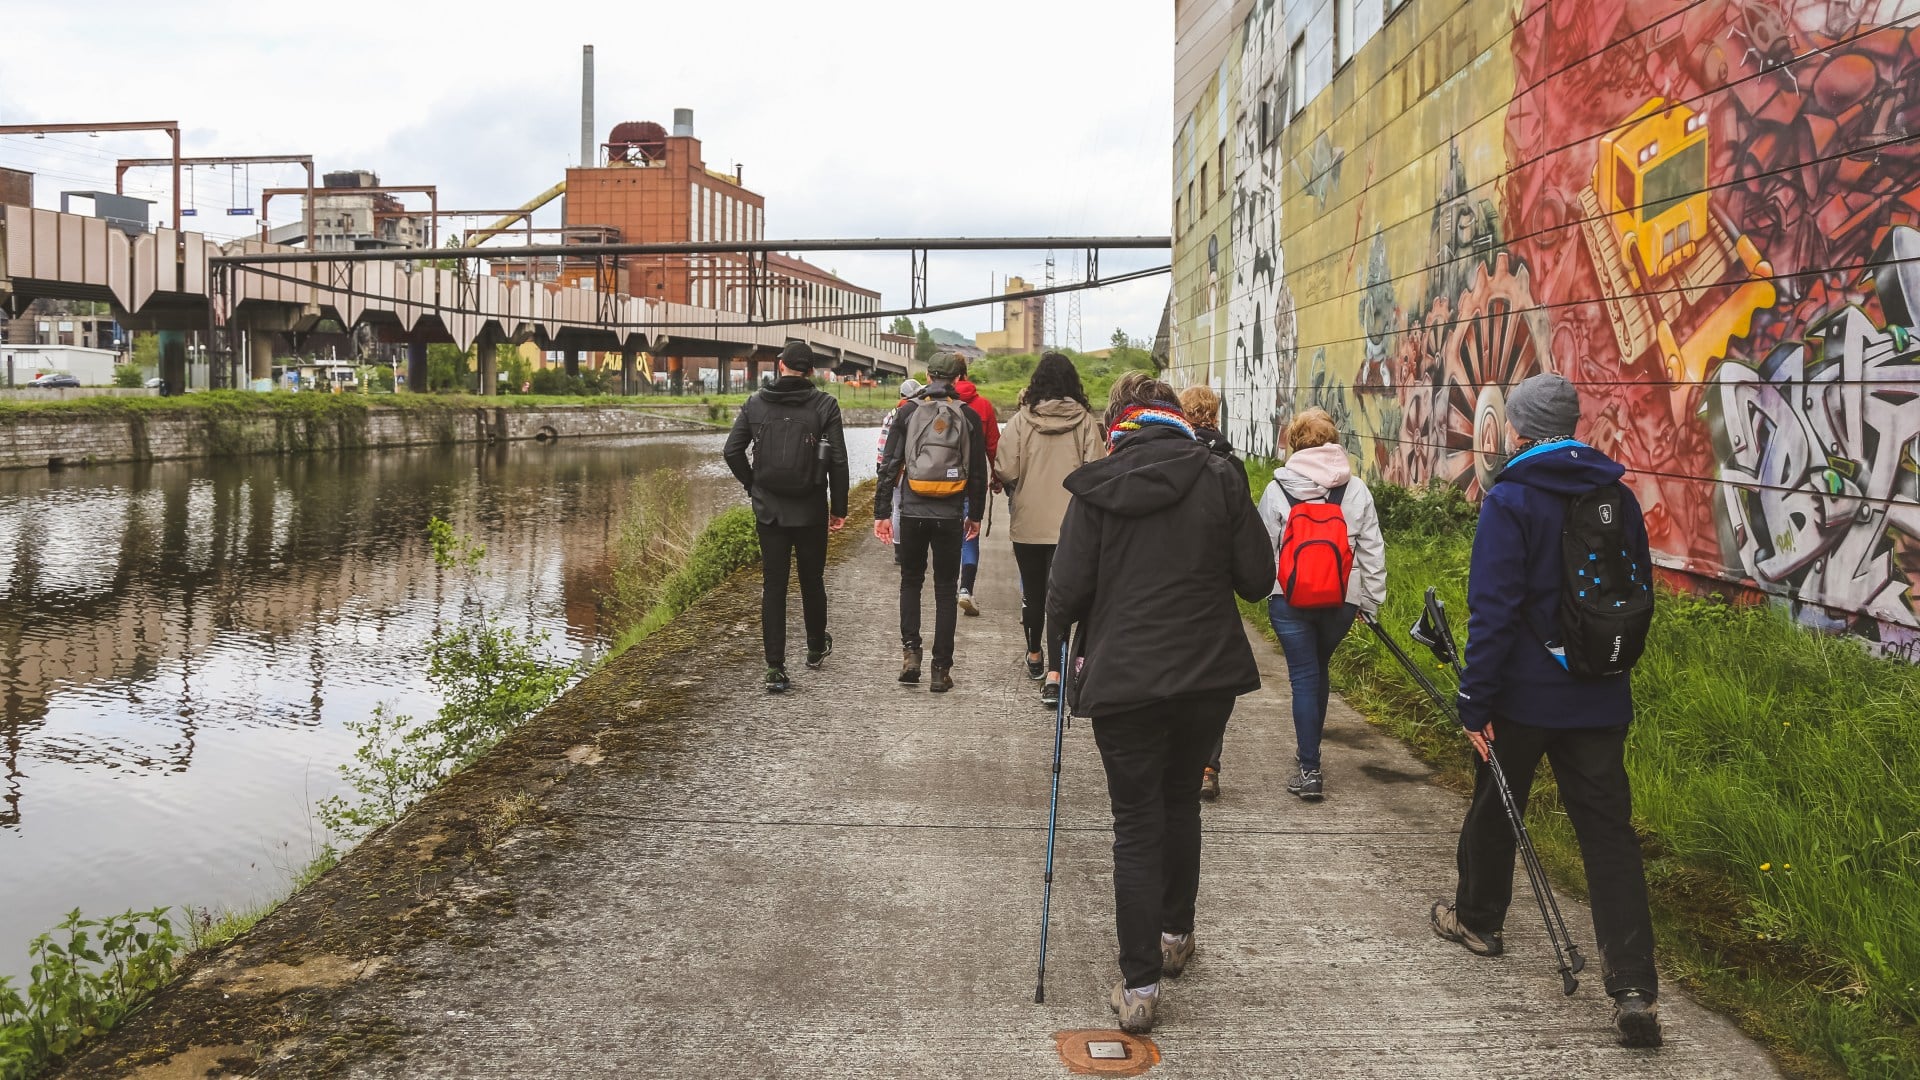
column 780, row 547
column 1036, row 563
column 1590, row 766
column 1154, row 757
column 918, row 537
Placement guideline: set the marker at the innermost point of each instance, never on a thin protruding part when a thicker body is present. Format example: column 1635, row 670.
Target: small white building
column 93, row 367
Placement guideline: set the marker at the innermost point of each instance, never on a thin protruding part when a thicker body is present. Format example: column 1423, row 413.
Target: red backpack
column 1316, row 558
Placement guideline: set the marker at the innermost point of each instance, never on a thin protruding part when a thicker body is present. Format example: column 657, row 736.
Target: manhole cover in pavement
column 1099, row 1052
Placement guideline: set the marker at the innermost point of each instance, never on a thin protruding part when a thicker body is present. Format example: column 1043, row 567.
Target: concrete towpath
column 845, row 881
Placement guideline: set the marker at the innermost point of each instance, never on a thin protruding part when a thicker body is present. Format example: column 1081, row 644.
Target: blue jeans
column 1308, row 637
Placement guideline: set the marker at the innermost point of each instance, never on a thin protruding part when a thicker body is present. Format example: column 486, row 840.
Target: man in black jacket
column 797, row 478
column 1159, row 537
column 939, row 524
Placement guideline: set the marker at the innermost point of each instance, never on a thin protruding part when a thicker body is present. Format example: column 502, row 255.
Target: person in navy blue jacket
column 1519, row 701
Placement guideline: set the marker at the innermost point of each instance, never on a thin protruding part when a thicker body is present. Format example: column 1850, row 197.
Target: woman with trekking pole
column 1052, row 433
column 1332, row 564
column 1157, row 540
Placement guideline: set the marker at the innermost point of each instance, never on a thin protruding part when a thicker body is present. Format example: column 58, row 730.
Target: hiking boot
column 1050, row 695
column 1446, row 924
column 1036, row 669
column 1176, row 951
column 910, row 665
column 1306, row 784
column 777, row 681
column 942, row 679
column 1134, row 1007
column 966, row 602
column 1210, row 785
column 1636, row 1016
column 815, row 657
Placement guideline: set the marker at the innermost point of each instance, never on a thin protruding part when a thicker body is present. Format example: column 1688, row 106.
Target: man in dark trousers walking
column 1520, row 699
column 936, row 455
column 797, row 478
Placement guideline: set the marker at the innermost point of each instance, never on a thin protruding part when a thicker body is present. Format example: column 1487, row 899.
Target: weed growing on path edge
column 730, row 542
column 1756, row 744
column 491, row 681
column 82, row 984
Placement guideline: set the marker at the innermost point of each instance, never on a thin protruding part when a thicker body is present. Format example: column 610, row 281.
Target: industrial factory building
column 655, row 188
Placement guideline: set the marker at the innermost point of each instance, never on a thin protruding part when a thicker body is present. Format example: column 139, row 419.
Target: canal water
column 181, row 644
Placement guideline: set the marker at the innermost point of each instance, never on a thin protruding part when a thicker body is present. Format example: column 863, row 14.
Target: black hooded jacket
column 773, row 508
column 1159, row 537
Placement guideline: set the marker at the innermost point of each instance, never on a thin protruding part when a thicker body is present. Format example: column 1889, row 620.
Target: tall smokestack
column 588, row 159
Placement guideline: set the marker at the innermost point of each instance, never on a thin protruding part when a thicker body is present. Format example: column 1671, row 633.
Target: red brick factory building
column 656, row 188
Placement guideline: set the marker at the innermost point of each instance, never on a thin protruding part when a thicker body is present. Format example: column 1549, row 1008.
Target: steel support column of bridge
column 486, row 363
column 416, row 366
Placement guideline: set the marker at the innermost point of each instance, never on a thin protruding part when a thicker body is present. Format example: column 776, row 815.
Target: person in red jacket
column 989, row 423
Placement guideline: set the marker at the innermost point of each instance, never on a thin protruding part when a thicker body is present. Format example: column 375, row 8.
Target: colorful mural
column 1704, row 212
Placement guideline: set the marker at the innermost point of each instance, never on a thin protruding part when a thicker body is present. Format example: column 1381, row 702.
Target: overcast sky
column 854, row 118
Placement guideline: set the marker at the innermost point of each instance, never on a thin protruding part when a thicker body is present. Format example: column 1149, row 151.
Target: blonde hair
column 1311, row 428
column 1201, row 405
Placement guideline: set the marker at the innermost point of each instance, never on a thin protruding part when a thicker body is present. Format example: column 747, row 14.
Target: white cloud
column 857, row 118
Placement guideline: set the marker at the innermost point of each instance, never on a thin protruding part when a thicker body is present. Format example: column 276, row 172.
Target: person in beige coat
column 1052, row 433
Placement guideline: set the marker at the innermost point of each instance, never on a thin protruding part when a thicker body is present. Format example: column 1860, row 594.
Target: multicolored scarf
column 1164, row 413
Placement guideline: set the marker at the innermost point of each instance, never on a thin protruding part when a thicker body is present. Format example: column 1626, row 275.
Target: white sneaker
column 966, row 603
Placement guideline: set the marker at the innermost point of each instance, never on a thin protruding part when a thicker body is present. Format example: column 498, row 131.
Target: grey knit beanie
column 1544, row 407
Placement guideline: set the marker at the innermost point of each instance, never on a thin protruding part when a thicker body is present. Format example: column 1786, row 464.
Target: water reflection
column 181, row 642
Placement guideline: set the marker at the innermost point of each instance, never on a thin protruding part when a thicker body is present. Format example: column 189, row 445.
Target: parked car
column 54, row 380
column 156, row 383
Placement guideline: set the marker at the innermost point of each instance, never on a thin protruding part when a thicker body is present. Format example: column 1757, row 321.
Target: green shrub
column 127, row 376
column 82, row 985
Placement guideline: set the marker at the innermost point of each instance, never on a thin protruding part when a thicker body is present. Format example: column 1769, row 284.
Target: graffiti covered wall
column 1704, row 212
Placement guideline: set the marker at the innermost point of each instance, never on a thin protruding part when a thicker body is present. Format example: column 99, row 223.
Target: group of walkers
column 1133, row 532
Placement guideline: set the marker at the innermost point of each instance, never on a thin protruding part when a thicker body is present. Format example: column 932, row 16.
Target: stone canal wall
column 32, row 440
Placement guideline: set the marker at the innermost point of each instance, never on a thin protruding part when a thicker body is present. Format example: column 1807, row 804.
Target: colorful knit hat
column 1135, row 417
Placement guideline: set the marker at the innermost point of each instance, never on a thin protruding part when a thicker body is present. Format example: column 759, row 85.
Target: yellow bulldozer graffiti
column 1660, row 246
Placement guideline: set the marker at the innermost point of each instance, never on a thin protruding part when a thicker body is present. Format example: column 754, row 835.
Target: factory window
column 1342, row 32
column 1220, row 170
column 1297, row 71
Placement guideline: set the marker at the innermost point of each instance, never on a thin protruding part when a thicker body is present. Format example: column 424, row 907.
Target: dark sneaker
column 1050, row 695
column 1210, row 785
column 1636, row 1016
column 910, row 665
column 1446, row 924
column 1176, row 952
column 942, row 679
column 815, row 657
column 1134, row 1007
column 1306, row 784
column 966, row 602
column 777, row 681
column 1036, row 669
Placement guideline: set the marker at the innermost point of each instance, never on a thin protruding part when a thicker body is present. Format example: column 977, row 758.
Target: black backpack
column 787, row 447
column 1606, row 595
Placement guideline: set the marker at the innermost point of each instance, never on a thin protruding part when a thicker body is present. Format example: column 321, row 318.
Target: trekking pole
column 1053, row 821
column 1439, row 638
column 1566, row 954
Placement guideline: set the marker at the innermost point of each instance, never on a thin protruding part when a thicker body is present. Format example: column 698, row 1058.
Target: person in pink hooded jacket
column 1317, row 471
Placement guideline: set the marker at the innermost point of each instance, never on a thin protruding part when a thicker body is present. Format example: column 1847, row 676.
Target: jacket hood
column 1212, row 439
column 1056, row 416
column 1311, row 473
column 789, row 390
column 965, row 389
column 1151, row 470
column 1562, row 468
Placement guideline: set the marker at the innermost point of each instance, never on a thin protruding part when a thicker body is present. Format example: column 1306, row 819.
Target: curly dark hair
column 1055, row 377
